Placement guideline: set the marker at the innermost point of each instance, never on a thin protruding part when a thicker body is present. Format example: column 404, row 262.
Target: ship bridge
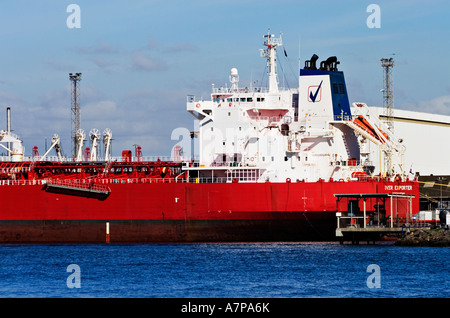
column 307, row 133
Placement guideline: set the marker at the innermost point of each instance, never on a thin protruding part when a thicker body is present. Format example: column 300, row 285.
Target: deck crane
column 17, row 150
column 80, row 137
column 94, row 135
column 107, row 137
column 56, row 143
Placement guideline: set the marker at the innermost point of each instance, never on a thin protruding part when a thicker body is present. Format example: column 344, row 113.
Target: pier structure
column 370, row 216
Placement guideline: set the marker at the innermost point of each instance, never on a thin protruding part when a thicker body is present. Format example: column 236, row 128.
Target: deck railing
column 87, row 182
column 99, row 159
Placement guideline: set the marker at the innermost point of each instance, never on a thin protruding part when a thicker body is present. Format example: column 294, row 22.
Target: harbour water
column 228, row 270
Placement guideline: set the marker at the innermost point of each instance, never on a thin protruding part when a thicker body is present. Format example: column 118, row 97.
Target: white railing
column 22, row 182
column 342, row 117
column 80, row 182
column 229, row 90
column 99, row 181
column 269, row 119
column 101, row 159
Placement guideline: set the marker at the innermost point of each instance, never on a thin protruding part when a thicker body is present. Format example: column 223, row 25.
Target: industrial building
column 426, row 138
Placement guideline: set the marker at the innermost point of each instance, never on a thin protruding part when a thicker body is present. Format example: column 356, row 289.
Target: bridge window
column 338, row 88
column 335, row 89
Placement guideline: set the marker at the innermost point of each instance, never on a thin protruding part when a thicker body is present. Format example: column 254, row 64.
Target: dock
column 382, row 215
column 369, row 234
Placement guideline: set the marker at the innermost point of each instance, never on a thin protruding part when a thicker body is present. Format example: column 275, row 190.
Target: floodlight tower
column 388, row 104
column 75, row 108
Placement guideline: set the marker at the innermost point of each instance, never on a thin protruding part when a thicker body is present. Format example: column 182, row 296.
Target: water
column 260, row 270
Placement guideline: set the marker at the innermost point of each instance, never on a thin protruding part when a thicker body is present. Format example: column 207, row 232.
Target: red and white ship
column 271, row 164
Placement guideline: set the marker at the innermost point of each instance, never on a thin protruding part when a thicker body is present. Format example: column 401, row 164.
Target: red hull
column 181, row 212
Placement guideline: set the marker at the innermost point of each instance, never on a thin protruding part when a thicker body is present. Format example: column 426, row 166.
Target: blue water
column 260, row 270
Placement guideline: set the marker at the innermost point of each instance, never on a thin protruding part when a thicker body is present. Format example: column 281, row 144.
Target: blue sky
column 139, row 59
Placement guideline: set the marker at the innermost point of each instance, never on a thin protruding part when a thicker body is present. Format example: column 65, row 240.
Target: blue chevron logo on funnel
column 312, row 96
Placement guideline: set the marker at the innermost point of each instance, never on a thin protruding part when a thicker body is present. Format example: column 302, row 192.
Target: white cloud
column 439, row 105
column 141, row 62
column 8, row 98
column 100, row 47
column 181, row 47
column 102, row 109
column 103, row 63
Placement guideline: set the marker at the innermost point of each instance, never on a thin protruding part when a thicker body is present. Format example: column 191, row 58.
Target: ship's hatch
column 88, row 190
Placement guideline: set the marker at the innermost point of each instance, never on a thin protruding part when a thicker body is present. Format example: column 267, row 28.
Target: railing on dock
column 389, row 218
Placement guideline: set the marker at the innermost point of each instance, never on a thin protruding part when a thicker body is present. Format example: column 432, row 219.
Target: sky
column 140, row 59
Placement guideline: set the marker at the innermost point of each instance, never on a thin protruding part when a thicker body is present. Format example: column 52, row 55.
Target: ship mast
column 270, row 53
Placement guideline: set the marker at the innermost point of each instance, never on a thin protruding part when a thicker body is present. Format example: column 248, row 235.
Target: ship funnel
column 311, row 64
column 322, row 92
column 330, row 64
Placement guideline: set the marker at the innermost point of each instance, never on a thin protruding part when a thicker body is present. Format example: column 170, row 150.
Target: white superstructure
column 274, row 134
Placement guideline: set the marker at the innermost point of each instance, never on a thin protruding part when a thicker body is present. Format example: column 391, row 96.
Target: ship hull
column 301, row 228
column 144, row 212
